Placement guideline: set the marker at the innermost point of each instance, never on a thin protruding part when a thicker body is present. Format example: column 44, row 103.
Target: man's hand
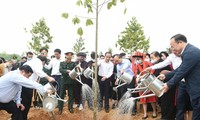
column 148, row 69
column 68, row 71
column 50, row 91
column 21, row 106
column 138, row 78
column 165, row 88
column 103, row 78
column 161, row 77
column 51, row 79
column 117, row 81
column 121, row 71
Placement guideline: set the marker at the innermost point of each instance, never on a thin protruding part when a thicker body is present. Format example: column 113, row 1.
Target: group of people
column 178, row 70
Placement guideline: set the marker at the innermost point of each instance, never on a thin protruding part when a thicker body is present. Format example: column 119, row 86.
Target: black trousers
column 182, row 101
column 104, row 90
column 77, row 93
column 196, row 108
column 26, row 96
column 11, row 108
column 57, row 78
column 167, row 100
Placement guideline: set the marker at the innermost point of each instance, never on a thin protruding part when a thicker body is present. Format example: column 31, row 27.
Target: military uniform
column 67, row 82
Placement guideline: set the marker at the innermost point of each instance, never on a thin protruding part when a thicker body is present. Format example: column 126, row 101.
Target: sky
column 161, row 19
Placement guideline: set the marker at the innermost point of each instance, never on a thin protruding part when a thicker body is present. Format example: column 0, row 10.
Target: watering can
column 50, row 101
column 77, row 71
column 88, row 73
column 126, row 78
column 153, row 84
column 148, row 82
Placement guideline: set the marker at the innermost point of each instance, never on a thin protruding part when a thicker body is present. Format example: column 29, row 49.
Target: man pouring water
column 124, row 66
column 11, row 86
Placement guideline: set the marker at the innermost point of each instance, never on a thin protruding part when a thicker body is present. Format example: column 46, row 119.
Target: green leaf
column 122, row 1
column 65, row 15
column 109, row 5
column 80, row 31
column 89, row 22
column 79, row 3
column 125, row 11
column 76, row 20
column 90, row 10
column 114, row 2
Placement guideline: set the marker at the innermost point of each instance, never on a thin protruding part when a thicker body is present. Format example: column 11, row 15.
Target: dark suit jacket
column 189, row 69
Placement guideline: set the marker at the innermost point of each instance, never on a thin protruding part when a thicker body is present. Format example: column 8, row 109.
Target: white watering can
column 50, row 101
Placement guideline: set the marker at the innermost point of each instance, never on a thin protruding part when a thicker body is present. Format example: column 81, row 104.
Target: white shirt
column 171, row 59
column 11, row 85
column 105, row 68
column 55, row 65
column 36, row 65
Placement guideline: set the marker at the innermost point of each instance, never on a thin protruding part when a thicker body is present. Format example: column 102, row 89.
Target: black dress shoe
column 107, row 110
column 71, row 110
column 133, row 113
column 60, row 112
column 113, row 106
column 145, row 117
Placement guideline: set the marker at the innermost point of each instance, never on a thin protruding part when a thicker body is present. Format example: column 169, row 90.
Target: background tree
column 133, row 38
column 100, row 53
column 40, row 36
column 10, row 56
column 110, row 50
column 79, row 45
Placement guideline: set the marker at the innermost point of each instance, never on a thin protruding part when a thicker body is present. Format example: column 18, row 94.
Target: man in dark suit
column 189, row 69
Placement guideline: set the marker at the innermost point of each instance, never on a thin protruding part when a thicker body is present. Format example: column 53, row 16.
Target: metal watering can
column 77, row 71
column 88, row 73
column 50, row 101
column 153, row 84
column 125, row 78
column 148, row 82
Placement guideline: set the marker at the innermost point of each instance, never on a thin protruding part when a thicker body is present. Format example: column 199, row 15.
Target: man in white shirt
column 11, row 86
column 54, row 65
column 104, row 77
column 36, row 65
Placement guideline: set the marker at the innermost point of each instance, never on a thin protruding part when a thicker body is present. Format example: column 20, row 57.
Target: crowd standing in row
column 178, row 70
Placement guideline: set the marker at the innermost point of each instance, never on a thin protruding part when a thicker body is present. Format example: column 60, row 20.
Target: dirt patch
column 86, row 114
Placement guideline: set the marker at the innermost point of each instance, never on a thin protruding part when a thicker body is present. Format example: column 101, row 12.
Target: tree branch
column 84, row 17
column 101, row 5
